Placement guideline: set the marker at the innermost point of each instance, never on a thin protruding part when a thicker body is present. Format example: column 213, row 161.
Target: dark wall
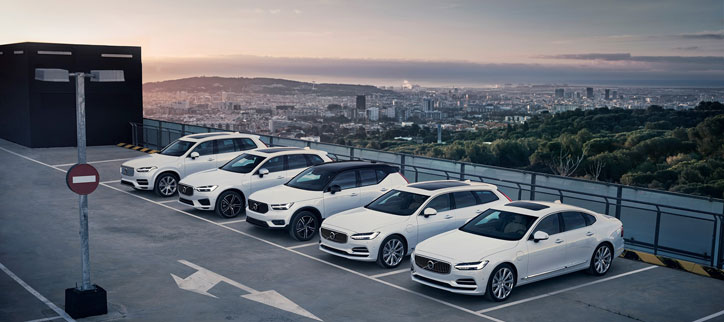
column 109, row 106
column 14, row 109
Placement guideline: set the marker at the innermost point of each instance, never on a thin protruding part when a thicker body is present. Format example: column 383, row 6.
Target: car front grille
column 126, row 171
column 186, row 201
column 432, row 265
column 257, row 206
column 186, row 190
column 333, row 236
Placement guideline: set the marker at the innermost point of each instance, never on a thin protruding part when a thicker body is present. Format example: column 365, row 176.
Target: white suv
column 391, row 226
column 225, row 189
column 321, row 191
column 161, row 172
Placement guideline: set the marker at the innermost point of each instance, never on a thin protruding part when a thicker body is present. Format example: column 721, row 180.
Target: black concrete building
column 42, row 114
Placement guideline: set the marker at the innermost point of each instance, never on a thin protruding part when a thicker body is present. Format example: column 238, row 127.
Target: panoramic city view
column 336, row 160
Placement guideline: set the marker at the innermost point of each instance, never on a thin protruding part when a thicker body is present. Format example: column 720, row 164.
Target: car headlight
column 146, row 169
column 282, row 206
column 365, row 236
column 473, row 266
column 209, row 188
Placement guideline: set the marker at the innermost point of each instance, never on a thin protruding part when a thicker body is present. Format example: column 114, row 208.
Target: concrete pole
column 82, row 199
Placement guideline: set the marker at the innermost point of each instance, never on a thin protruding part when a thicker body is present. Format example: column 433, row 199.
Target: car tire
column 601, row 260
column 166, row 185
column 391, row 252
column 304, row 225
column 229, row 204
column 500, row 283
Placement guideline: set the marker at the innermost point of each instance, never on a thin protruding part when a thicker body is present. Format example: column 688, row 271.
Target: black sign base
column 80, row 304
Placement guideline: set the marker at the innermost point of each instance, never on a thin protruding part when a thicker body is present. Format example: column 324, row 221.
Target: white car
column 498, row 250
column 321, row 191
column 388, row 228
column 225, row 189
column 161, row 171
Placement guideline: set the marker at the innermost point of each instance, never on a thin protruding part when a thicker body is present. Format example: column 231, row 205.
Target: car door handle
column 558, row 241
column 280, row 177
column 383, row 189
column 353, row 195
column 211, row 159
column 478, row 211
column 590, row 233
column 448, row 217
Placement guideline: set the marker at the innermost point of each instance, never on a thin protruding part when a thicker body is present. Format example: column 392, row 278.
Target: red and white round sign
column 82, row 178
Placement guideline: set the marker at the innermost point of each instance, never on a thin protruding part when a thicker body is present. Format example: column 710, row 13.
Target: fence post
column 158, row 137
column 402, row 164
column 532, row 186
column 351, row 153
column 183, row 129
column 619, row 195
column 656, row 233
column 462, row 171
column 271, row 141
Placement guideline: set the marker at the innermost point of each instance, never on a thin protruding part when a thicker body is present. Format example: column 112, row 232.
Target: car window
column 177, row 148
column 485, row 196
column 345, row 180
column 244, row 163
column 206, row 148
column 367, row 177
column 244, row 144
column 464, row 199
column 549, row 225
column 381, row 175
column 314, row 159
column 397, row 202
column 589, row 218
column 274, row 164
column 573, row 220
column 440, row 203
column 499, row 224
column 296, row 161
column 225, row 146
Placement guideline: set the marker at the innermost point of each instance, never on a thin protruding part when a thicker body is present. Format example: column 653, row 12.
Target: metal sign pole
column 82, row 199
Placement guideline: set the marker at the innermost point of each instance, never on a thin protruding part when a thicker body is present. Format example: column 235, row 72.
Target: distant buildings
column 589, row 93
column 559, row 93
column 428, row 105
column 361, row 102
column 607, row 92
column 373, row 114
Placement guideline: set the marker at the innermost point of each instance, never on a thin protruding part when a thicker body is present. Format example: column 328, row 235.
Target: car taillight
column 506, row 196
column 622, row 231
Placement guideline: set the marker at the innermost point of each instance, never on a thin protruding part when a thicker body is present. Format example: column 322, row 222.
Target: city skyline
column 462, row 43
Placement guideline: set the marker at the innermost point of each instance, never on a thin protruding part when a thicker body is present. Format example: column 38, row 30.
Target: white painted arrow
column 203, row 280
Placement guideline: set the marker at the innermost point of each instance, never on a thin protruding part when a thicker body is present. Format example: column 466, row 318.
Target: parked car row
column 462, row 236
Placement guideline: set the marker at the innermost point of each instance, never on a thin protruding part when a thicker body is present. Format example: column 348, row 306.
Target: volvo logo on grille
column 254, row 206
column 332, row 235
column 430, row 265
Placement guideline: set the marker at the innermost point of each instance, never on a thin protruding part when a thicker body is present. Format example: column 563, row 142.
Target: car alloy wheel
column 230, row 205
column 167, row 185
column 392, row 252
column 502, row 283
column 602, row 259
column 305, row 227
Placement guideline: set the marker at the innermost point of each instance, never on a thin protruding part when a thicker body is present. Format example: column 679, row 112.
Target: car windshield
column 499, row 224
column 314, row 179
column 177, row 148
column 244, row 163
column 397, row 202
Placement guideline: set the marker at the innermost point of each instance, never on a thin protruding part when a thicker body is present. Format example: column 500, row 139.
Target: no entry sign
column 82, row 178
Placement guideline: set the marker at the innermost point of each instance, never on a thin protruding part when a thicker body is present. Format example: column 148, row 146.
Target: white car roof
column 537, row 208
column 429, row 188
column 199, row 137
column 273, row 151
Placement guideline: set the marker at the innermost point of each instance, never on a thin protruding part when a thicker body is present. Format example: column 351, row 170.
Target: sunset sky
column 429, row 42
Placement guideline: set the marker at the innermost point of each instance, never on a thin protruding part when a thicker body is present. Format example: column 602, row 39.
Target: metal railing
column 669, row 224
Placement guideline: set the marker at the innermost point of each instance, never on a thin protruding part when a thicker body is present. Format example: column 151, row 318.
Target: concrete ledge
column 674, row 263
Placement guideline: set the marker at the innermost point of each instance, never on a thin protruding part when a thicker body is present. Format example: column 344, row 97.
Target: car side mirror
column 429, row 212
column 540, row 235
column 334, row 189
column 263, row 172
column 194, row 155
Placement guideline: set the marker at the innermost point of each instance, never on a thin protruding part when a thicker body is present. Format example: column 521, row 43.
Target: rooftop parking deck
column 139, row 242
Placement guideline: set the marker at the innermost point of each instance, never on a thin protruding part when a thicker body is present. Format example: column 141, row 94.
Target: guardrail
column 664, row 223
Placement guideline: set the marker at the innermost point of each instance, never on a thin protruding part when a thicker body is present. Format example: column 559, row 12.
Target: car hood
column 151, row 160
column 284, row 194
column 458, row 246
column 215, row 177
column 363, row 220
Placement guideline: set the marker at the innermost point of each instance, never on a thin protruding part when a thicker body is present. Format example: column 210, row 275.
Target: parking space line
column 709, row 317
column 35, row 293
column 46, row 319
column 233, row 221
column 91, row 162
column 390, row 273
column 448, row 304
column 303, row 245
column 566, row 289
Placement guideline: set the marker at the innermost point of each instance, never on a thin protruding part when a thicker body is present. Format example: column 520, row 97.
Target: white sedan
column 498, row 250
column 389, row 227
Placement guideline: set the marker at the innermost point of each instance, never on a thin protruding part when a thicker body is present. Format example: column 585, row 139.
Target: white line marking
column 91, row 162
column 233, row 221
column 390, row 273
column 46, row 319
column 566, row 289
column 84, row 179
column 35, row 293
column 709, row 317
column 302, row 245
column 111, row 181
column 285, row 248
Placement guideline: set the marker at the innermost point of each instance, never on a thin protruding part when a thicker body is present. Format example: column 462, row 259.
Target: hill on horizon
column 260, row 85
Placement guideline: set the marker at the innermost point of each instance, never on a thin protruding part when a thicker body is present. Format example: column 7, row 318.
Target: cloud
column 690, row 48
column 716, row 62
column 716, row 35
column 297, row 11
column 378, row 71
